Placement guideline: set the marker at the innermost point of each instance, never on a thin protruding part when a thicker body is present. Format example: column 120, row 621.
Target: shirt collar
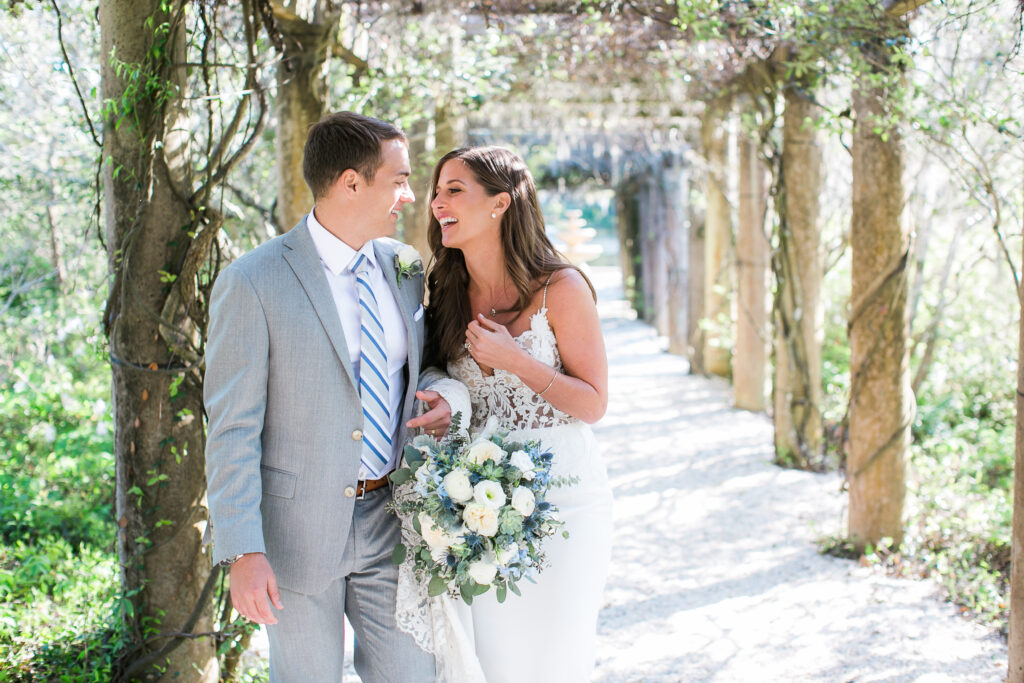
column 334, row 253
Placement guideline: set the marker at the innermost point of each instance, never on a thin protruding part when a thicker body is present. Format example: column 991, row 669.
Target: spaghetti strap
column 544, row 301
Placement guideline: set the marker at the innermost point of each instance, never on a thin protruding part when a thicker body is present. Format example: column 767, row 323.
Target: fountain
column 576, row 237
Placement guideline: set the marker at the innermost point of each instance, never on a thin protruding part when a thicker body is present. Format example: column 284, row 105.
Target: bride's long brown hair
column 529, row 255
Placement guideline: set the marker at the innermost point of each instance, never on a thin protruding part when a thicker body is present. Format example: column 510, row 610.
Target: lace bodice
column 503, row 394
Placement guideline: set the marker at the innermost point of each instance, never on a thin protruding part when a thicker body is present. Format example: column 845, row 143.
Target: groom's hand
column 437, row 417
column 252, row 584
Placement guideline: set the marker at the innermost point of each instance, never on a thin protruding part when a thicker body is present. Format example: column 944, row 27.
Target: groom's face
column 388, row 191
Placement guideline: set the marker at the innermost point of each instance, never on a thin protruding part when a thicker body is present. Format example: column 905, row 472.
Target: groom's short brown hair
column 341, row 141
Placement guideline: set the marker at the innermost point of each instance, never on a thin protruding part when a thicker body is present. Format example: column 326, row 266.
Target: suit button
column 349, row 492
column 357, row 435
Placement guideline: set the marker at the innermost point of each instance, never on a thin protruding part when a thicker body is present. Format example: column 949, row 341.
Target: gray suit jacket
column 282, row 402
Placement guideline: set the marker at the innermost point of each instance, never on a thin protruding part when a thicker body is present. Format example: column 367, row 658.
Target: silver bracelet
column 549, row 383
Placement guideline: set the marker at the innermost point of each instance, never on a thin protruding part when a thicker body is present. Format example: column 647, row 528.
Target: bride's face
column 463, row 208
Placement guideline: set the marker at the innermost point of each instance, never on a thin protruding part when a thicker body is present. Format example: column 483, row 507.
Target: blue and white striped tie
column 373, row 373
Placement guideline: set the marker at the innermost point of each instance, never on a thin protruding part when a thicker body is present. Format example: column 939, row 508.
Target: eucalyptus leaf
column 436, row 586
column 398, row 554
column 401, row 476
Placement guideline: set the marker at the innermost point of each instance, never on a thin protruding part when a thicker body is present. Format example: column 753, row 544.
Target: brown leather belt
column 367, row 485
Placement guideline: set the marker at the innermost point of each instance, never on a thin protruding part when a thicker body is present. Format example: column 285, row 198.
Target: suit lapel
column 302, row 257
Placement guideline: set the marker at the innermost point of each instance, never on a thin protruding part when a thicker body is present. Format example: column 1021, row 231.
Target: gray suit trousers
column 307, row 644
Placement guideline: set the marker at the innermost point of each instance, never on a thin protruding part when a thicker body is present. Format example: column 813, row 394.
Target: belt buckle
column 361, row 489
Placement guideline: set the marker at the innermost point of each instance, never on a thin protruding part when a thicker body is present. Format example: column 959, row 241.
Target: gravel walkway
column 715, row 572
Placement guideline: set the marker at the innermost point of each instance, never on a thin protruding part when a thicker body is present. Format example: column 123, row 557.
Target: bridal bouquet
column 478, row 509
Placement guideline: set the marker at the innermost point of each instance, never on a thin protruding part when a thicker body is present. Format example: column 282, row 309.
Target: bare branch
column 349, row 57
column 71, row 72
column 898, row 8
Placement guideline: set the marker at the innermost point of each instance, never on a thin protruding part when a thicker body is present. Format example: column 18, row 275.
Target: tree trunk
column 429, row 140
column 930, row 337
column 422, row 156
column 648, row 250
column 752, row 251
column 880, row 397
column 630, row 257
column 52, row 221
column 717, row 240
column 696, row 283
column 797, row 262
column 301, row 102
column 656, row 231
column 1015, row 642
column 678, row 252
column 158, row 427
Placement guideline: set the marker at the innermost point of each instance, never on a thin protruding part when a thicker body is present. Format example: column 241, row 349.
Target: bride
column 519, row 327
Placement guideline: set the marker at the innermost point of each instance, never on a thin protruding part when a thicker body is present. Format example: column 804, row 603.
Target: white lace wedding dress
column 548, row 634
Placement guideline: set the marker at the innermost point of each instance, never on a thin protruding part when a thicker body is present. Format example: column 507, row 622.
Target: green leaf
column 514, row 588
column 398, row 554
column 401, row 476
column 480, row 589
column 414, row 457
column 437, row 586
column 467, row 592
column 501, row 592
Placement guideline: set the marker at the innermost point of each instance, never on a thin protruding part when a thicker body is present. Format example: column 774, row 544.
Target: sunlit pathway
column 715, row 572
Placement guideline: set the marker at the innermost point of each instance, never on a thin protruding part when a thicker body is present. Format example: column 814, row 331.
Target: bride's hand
column 491, row 345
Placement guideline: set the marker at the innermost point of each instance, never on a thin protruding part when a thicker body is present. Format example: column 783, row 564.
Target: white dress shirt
column 337, row 257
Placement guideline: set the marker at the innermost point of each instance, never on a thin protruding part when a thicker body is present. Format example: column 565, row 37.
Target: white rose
column 408, row 256
column 522, row 462
column 436, row 537
column 484, row 451
column 482, row 571
column 507, row 554
column 523, row 501
column 456, row 483
column 489, row 493
column 481, row 519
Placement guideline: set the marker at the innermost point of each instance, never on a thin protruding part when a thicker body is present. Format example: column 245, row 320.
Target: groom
column 313, row 362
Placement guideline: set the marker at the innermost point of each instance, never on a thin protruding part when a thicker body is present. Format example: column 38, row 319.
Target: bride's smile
column 462, row 208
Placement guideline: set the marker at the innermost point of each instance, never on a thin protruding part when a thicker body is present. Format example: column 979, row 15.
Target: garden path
column 716, row 574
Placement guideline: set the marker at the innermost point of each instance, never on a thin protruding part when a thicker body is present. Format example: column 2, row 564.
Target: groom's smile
column 389, row 190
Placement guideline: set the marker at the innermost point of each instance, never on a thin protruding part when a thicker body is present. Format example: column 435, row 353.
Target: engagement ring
column 467, row 346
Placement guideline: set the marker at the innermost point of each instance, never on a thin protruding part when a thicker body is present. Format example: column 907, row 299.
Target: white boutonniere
column 408, row 262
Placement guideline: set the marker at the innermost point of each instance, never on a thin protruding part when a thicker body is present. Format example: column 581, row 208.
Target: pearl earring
column 494, row 215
